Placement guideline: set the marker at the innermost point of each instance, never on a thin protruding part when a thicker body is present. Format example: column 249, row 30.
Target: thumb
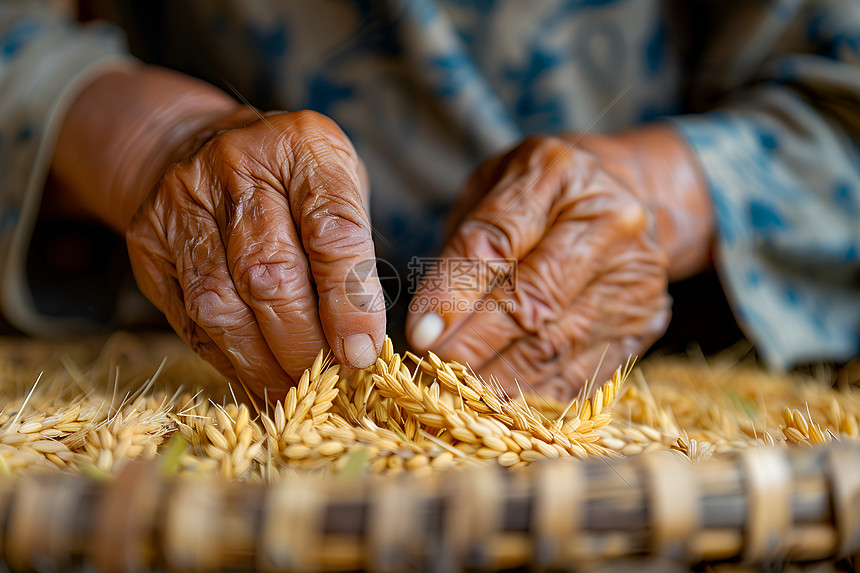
column 482, row 254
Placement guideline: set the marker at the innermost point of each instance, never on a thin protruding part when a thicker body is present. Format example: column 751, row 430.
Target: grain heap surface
column 405, row 414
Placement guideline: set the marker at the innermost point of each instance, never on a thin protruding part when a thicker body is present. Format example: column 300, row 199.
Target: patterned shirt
column 767, row 93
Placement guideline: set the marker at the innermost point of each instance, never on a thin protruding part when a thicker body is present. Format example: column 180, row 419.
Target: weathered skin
column 243, row 231
column 246, row 247
column 596, row 231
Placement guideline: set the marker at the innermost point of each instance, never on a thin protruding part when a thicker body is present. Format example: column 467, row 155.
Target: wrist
column 122, row 132
column 658, row 166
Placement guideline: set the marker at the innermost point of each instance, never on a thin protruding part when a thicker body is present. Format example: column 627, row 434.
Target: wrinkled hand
column 247, row 246
column 585, row 274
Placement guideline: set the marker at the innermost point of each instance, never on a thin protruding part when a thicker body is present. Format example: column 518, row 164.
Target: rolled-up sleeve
column 46, row 58
column 779, row 147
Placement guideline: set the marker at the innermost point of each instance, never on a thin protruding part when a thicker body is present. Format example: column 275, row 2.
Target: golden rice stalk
column 404, row 414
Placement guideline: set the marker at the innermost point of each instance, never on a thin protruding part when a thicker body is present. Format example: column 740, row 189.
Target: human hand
column 247, row 246
column 577, row 224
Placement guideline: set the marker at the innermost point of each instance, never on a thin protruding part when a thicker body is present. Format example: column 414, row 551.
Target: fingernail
column 359, row 351
column 428, row 329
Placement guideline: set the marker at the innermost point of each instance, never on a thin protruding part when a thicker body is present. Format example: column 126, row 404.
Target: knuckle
column 206, row 307
column 310, row 119
column 235, row 160
column 224, row 141
column 488, row 239
column 313, row 131
column 336, row 232
column 224, row 149
column 528, row 145
column 557, row 341
column 201, row 300
column 553, row 145
column 543, row 143
column 269, row 281
column 312, row 125
column 541, row 151
column 535, row 305
column 184, row 186
column 556, row 149
column 629, row 218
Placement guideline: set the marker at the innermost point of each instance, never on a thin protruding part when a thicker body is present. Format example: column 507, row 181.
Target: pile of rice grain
column 404, row 414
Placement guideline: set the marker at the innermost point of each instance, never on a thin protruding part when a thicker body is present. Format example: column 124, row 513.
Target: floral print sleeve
column 779, row 147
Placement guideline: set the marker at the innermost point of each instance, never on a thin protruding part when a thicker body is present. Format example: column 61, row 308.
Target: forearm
column 657, row 165
column 121, row 133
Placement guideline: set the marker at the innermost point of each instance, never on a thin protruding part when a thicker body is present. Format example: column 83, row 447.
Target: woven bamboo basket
column 760, row 507
column 685, row 465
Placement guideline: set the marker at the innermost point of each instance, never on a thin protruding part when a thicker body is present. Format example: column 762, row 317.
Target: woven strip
column 474, row 519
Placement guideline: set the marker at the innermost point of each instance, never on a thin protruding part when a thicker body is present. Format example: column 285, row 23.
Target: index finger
column 328, row 206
